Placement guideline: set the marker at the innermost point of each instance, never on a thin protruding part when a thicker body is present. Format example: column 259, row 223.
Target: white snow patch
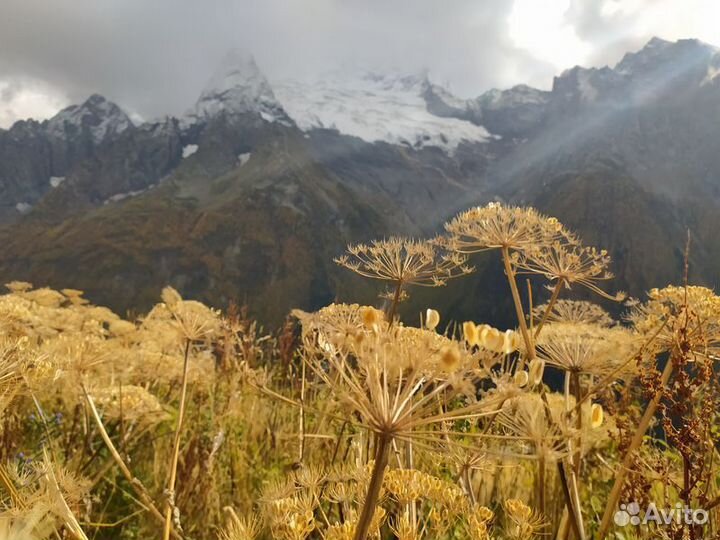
column 188, row 150
column 23, row 207
column 122, row 196
column 274, row 117
column 513, row 97
column 374, row 108
column 244, row 158
column 55, row 181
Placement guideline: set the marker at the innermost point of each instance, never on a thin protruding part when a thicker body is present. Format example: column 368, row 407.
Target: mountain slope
column 251, row 195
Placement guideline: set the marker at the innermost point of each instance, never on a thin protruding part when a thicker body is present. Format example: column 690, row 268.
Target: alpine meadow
column 338, row 301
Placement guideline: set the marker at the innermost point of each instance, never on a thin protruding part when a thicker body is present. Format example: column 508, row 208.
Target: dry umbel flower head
column 392, row 377
column 586, row 348
column 523, row 522
column 565, row 261
column 575, row 311
column 496, row 226
column 404, row 261
column 668, row 308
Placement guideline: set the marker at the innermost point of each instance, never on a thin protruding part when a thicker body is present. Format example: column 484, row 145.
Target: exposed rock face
column 33, row 155
column 250, row 196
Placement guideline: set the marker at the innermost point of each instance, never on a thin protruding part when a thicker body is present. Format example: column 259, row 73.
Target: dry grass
column 349, row 424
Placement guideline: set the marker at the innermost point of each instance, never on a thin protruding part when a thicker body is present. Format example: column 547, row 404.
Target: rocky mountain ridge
column 250, row 195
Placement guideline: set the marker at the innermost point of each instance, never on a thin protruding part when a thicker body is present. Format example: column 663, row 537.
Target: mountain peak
column 659, row 52
column 520, row 94
column 656, row 42
column 99, row 116
column 239, row 86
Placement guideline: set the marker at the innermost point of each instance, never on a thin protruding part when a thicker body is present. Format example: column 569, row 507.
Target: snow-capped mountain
column 98, row 116
column 375, row 108
column 252, row 193
column 238, row 87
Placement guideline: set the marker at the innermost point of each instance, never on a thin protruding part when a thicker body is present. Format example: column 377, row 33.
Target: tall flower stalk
column 389, row 379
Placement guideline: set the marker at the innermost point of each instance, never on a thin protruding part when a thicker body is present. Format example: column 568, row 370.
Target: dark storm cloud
column 154, row 56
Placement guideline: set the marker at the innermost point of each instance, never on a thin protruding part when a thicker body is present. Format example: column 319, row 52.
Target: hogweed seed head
column 495, row 226
column 404, row 261
column 567, row 262
column 575, row 311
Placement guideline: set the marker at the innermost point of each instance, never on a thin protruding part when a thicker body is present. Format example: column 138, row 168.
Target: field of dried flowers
column 350, row 423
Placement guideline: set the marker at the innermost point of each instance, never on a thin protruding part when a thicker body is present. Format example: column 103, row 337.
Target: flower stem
column 176, row 445
column 382, row 452
column 551, row 305
column 529, row 345
column 541, row 483
column 134, row 482
column 634, row 445
column 395, row 302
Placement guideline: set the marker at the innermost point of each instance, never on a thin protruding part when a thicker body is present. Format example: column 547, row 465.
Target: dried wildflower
column 583, row 348
column 121, row 328
column 405, row 485
column 403, row 260
column 291, row 518
column 667, row 309
column 575, row 311
column 477, row 530
column 45, row 297
column 566, row 262
column 340, row 531
column 392, row 366
column 19, row 286
column 242, row 528
column 333, row 325
column 492, row 338
column 392, row 380
column 404, row 529
column 526, row 418
column 511, row 342
column 524, row 523
column 310, row 477
column 478, row 520
column 129, row 401
column 495, row 226
column 195, row 321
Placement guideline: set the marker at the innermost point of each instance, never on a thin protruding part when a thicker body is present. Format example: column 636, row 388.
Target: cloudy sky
column 153, row 57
